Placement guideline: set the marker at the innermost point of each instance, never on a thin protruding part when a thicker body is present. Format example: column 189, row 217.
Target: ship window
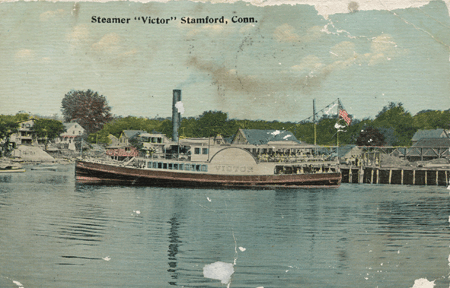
column 149, row 165
column 204, row 150
column 192, row 167
column 159, row 140
column 155, row 165
column 160, row 165
column 181, row 166
column 175, row 166
column 283, row 170
column 197, row 151
column 204, row 168
column 197, row 167
column 187, row 167
column 164, row 165
column 170, row 166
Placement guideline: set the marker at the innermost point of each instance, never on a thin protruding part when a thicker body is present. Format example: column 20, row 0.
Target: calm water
column 55, row 233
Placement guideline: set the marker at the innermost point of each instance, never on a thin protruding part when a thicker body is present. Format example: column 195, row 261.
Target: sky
column 367, row 55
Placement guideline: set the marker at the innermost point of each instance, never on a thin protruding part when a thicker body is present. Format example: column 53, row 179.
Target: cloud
column 343, row 55
column 313, row 70
column 78, row 36
column 247, row 28
column 308, row 64
column 383, row 48
column 24, row 54
column 51, row 14
column 110, row 43
column 383, row 43
column 343, row 50
column 112, row 50
column 312, row 34
column 286, row 33
column 113, row 45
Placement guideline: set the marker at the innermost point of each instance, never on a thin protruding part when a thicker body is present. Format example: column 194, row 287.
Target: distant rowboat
column 11, row 170
column 45, row 168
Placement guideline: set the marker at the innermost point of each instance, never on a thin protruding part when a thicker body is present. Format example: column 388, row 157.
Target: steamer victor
column 254, row 159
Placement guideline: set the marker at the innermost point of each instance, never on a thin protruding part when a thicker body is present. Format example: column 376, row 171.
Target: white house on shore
column 68, row 138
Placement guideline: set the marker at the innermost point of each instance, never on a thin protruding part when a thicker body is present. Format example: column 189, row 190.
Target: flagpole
column 337, row 132
column 314, row 120
column 337, row 137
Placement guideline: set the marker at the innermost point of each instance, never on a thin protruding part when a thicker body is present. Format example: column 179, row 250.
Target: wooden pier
column 396, row 175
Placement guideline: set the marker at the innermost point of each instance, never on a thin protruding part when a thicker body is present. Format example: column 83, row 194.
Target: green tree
column 9, row 124
column 431, row 119
column 48, row 129
column 370, row 136
column 396, row 117
column 165, row 127
column 211, row 123
column 88, row 108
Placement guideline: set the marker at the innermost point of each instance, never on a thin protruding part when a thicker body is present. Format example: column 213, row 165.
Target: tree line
column 392, row 126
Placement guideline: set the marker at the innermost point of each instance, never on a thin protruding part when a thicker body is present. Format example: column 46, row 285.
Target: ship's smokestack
column 176, row 116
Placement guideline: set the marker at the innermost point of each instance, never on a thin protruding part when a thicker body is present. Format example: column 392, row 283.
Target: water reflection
column 5, row 178
column 86, row 224
column 401, row 217
column 53, row 179
column 174, row 242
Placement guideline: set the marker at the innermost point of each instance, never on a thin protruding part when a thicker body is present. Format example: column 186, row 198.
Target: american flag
column 344, row 115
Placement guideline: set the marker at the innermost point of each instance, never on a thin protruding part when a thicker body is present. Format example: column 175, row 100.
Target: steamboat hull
column 98, row 173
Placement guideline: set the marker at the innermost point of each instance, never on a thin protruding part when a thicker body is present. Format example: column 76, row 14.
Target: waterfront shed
column 432, row 133
column 428, row 149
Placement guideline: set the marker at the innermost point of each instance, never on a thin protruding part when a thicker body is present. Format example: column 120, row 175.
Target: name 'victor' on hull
column 200, row 162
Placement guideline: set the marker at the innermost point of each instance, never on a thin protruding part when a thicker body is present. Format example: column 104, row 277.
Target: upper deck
column 231, row 161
